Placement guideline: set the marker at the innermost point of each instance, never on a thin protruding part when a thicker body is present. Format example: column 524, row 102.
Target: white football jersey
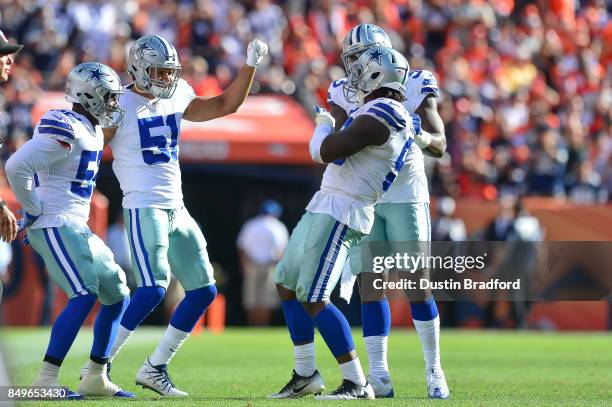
column 411, row 184
column 352, row 186
column 145, row 149
column 64, row 189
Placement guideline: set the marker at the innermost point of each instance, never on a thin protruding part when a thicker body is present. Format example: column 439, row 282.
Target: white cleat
column 99, row 385
column 383, row 387
column 349, row 391
column 436, row 384
column 156, row 378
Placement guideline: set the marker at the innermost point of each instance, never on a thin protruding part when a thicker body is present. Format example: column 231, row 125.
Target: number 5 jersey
column 145, row 149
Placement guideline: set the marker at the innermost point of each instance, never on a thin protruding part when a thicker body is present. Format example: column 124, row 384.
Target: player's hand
column 255, row 52
column 25, row 221
column 8, row 224
column 322, row 116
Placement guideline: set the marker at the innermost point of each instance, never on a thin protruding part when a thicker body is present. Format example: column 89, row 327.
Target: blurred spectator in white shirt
column 261, row 244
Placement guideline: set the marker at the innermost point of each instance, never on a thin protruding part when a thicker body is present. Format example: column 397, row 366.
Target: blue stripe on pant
column 336, row 249
column 139, row 251
column 323, row 274
column 63, row 260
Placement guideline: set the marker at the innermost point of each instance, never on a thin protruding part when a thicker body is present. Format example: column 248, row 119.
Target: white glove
column 255, row 52
column 322, row 116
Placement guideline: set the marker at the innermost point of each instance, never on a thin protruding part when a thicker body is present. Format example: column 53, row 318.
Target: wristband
column 423, row 139
column 320, row 133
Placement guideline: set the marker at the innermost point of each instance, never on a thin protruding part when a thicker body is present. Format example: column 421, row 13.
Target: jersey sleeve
column 184, row 94
column 55, row 125
column 335, row 94
column 21, row 168
column 393, row 115
column 421, row 84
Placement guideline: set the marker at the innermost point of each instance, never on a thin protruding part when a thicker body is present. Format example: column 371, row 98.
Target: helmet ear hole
column 375, row 75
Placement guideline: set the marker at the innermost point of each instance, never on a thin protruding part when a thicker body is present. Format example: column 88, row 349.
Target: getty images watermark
column 508, row 271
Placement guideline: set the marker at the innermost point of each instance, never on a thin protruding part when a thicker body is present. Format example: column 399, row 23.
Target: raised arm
column 202, row 109
column 327, row 146
column 432, row 140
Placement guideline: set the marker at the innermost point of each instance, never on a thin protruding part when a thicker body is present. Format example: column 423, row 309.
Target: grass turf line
column 242, row 366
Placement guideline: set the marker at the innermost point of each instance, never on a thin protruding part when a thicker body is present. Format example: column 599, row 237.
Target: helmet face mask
column 154, row 66
column 376, row 68
column 97, row 88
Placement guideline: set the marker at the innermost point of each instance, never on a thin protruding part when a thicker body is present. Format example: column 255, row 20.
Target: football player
column 61, row 161
column 364, row 156
column 401, row 215
column 8, row 223
column 163, row 236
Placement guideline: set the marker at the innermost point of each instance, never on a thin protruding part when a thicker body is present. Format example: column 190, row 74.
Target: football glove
column 255, row 52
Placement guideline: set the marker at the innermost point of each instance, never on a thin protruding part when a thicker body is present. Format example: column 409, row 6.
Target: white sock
column 429, row 333
column 47, row 375
column 96, row 368
column 304, row 359
column 122, row 337
column 352, row 371
column 377, row 355
column 171, row 342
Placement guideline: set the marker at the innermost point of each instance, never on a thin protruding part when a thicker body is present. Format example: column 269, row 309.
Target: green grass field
column 242, row 366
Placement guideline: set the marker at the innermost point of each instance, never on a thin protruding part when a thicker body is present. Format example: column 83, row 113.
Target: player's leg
column 113, row 294
column 147, row 230
column 189, row 262
column 53, row 248
column 325, row 253
column 305, row 378
column 375, row 313
column 415, row 222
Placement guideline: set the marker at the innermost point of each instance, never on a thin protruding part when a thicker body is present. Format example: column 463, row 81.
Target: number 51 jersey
column 145, row 149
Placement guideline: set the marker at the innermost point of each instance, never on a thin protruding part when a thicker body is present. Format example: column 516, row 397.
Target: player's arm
column 33, row 156
column 109, row 133
column 432, row 139
column 327, row 146
column 339, row 115
column 202, row 109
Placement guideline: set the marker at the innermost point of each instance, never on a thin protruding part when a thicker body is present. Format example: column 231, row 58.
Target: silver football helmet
column 379, row 67
column 96, row 87
column 361, row 38
column 153, row 64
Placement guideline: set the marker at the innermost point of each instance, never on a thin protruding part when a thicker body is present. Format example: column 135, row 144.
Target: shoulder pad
column 58, row 124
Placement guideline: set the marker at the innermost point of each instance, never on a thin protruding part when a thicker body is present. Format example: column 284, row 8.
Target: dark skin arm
column 338, row 114
column 202, row 109
column 364, row 131
column 432, row 123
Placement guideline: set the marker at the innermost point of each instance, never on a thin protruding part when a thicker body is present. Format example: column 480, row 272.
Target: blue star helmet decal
column 376, row 55
column 147, row 46
column 96, row 74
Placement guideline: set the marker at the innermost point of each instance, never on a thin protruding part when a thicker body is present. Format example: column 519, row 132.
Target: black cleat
column 300, row 386
column 349, row 391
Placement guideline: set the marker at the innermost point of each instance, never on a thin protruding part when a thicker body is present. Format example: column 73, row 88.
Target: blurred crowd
column 526, row 85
